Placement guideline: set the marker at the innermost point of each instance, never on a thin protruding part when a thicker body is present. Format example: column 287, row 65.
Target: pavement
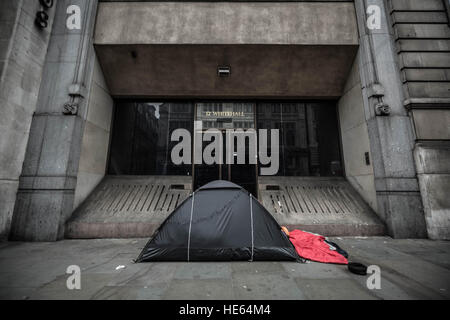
column 409, row 269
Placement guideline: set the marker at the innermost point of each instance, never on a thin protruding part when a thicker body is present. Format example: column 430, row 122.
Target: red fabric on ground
column 313, row 247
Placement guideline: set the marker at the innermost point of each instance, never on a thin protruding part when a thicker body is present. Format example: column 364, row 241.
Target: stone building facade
column 61, row 88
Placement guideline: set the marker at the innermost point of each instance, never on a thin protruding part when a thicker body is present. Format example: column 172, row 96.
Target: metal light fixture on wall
column 47, row 4
column 42, row 17
column 224, row 71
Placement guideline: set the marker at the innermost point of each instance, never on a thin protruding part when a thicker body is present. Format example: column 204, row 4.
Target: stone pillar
column 23, row 47
column 47, row 184
column 391, row 134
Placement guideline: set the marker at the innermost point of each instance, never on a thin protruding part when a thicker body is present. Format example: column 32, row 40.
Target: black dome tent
column 219, row 222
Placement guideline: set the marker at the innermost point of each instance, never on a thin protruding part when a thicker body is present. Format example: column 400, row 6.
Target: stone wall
column 433, row 170
column 422, row 36
column 173, row 50
column 305, row 23
column 23, row 48
column 391, row 135
column 95, row 144
column 47, row 185
column 355, row 138
column 66, row 153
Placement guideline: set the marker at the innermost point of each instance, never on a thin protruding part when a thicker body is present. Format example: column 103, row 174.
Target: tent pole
column 190, row 226
column 251, row 217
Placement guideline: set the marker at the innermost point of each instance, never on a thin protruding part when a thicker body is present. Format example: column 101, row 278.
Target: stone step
column 135, row 206
column 325, row 205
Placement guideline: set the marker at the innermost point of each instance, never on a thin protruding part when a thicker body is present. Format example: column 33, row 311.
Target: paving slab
column 256, row 267
column 266, row 287
column 153, row 292
column 333, row 289
column 204, row 270
column 200, row 289
column 315, row 270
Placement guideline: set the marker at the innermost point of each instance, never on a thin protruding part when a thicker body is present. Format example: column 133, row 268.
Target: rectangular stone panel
column 226, row 23
column 420, row 5
column 432, row 124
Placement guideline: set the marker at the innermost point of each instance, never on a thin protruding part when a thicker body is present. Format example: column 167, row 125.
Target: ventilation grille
column 135, row 197
column 310, row 197
column 313, row 200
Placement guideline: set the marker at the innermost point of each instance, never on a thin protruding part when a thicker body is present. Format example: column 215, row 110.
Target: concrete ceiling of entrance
column 257, row 71
column 173, row 49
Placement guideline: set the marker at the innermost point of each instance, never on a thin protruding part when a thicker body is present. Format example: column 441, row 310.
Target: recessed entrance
column 308, row 139
column 143, row 184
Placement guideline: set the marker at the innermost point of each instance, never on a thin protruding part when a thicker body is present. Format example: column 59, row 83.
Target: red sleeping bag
column 313, row 247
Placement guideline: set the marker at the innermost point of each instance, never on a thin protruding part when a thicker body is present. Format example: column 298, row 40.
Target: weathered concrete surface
column 96, row 136
column 410, row 269
column 355, row 138
column 323, row 205
column 47, row 184
column 23, row 48
column 296, row 23
column 432, row 124
column 135, row 206
column 173, row 49
column 391, row 137
column 264, row 71
column 422, row 35
column 433, row 171
column 127, row 207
